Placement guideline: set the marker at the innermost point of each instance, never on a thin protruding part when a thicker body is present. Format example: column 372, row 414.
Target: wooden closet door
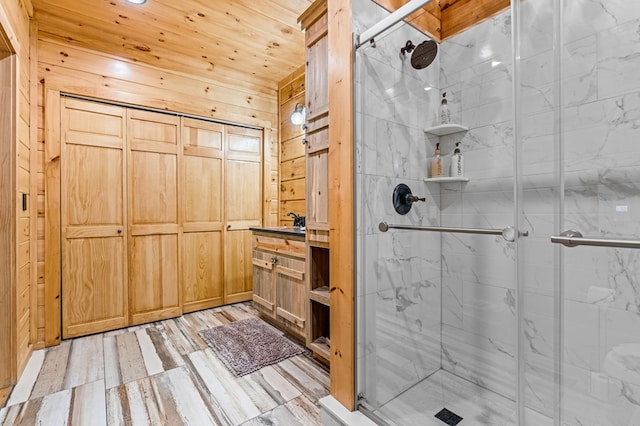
column 154, row 238
column 93, row 219
column 202, row 248
column 243, row 208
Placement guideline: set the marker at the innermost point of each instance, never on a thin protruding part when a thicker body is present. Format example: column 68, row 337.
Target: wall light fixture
column 298, row 115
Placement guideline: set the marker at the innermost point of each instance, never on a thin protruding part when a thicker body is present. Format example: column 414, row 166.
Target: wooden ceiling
column 257, row 41
column 442, row 19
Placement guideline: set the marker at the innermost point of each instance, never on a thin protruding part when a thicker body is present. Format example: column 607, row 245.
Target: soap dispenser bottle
column 436, row 163
column 445, row 114
column 457, row 162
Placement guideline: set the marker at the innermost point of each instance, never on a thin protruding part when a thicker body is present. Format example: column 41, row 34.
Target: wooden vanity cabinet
column 279, row 289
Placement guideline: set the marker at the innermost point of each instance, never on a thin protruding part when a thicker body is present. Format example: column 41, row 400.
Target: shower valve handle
column 414, row 199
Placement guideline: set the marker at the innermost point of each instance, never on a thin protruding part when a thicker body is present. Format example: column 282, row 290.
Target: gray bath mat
column 248, row 345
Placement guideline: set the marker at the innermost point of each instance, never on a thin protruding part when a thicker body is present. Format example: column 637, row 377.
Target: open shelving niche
column 319, row 301
column 444, row 130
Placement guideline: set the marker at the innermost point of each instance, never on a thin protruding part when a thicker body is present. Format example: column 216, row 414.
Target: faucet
column 297, row 220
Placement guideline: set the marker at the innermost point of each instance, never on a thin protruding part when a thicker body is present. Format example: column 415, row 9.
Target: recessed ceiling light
column 137, row 1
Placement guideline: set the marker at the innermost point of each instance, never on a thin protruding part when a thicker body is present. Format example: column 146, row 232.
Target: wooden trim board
column 341, row 196
column 8, row 209
column 52, row 253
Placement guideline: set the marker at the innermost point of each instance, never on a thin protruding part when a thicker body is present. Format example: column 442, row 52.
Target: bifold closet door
column 243, row 208
column 202, row 247
column 154, row 237
column 93, row 218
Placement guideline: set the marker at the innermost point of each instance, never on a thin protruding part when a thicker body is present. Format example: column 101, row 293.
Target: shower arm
column 508, row 233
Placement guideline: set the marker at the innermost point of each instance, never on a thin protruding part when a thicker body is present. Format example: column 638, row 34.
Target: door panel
column 153, row 278
column 318, row 190
column 203, row 190
column 316, row 76
column 154, row 188
column 94, row 298
column 94, row 274
column 202, row 270
column 96, row 199
column 202, row 250
column 291, row 291
column 243, row 193
column 263, row 282
column 154, row 245
column 238, row 266
column 601, row 283
column 243, row 208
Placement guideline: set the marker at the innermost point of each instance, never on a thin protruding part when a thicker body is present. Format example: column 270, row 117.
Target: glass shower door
column 437, row 314
column 599, row 212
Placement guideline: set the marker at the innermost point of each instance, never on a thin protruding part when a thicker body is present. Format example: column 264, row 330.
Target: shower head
column 424, row 54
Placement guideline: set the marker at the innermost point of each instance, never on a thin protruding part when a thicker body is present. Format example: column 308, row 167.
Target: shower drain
column 448, row 417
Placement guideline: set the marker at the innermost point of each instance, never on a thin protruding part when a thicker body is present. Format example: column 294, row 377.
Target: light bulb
column 298, row 115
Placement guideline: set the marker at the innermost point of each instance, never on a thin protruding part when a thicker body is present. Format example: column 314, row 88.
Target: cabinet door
column 317, row 89
column 154, row 280
column 243, row 208
column 318, row 191
column 290, row 291
column 94, row 273
column 263, row 282
column 202, row 248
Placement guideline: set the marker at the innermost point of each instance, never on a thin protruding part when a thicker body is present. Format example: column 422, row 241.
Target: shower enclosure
column 525, row 332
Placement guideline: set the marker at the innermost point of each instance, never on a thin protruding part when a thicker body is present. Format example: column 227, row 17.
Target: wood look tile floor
column 162, row 373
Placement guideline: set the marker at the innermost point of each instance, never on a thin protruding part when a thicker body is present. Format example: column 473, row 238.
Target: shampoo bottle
column 457, row 162
column 445, row 114
column 436, row 163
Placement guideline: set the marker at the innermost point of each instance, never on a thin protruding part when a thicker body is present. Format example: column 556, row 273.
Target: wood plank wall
column 16, row 17
column 291, row 91
column 90, row 73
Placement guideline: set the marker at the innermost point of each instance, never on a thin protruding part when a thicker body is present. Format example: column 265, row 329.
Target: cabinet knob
column 274, row 260
column 228, row 227
column 305, row 141
column 119, row 231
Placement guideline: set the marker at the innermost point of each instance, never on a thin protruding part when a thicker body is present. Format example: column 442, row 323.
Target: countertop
column 282, row 230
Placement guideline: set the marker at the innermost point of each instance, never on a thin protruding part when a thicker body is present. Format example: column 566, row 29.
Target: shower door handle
column 572, row 238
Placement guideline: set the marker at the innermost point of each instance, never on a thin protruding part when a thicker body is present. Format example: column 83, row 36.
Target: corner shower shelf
column 446, row 179
column 446, row 129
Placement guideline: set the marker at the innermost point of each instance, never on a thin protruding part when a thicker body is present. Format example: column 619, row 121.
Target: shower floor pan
column 476, row 405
